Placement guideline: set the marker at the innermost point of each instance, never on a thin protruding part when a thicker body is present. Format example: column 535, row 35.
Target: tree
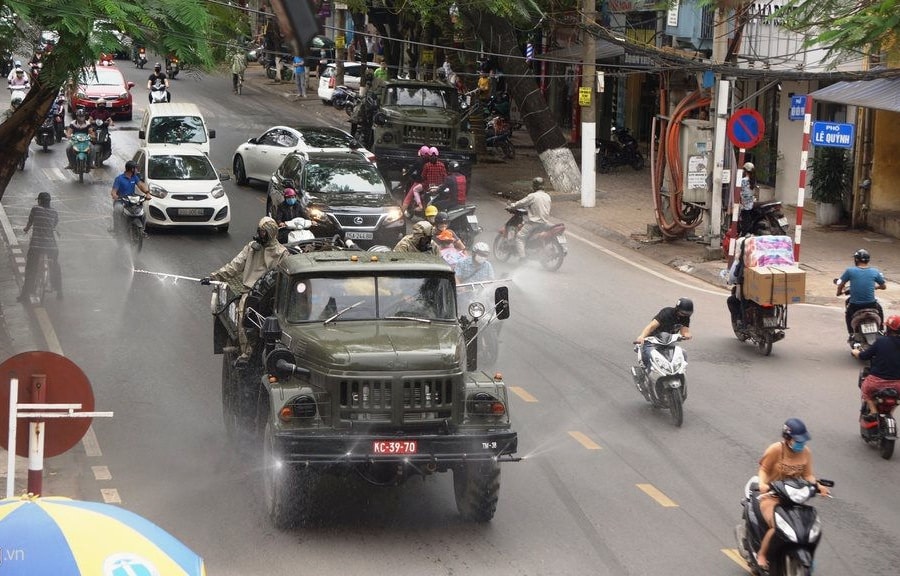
column 87, row 28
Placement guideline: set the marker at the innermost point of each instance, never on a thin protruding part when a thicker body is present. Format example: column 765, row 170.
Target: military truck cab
column 362, row 363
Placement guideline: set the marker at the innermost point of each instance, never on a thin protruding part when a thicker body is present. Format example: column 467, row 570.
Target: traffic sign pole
column 11, row 442
column 736, row 202
column 36, row 437
column 801, row 188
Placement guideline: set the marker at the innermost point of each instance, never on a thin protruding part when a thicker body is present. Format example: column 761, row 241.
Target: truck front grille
column 396, row 400
column 430, row 135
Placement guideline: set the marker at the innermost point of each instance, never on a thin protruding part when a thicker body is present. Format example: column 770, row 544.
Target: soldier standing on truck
column 256, row 258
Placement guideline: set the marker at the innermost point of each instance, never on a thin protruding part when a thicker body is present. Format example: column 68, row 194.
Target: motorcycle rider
column 125, row 185
column 433, row 171
column 18, row 81
column 158, row 76
column 672, row 319
column 538, row 203
column 289, row 209
column 255, row 259
column 17, row 65
column 748, row 197
column 43, row 219
column 455, row 188
column 15, row 101
column 863, row 280
column 475, row 267
column 788, row 458
column 80, row 125
column 441, row 225
column 105, row 115
column 884, row 371
column 419, row 240
column 431, row 213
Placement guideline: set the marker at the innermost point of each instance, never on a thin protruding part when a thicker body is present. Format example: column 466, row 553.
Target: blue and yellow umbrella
column 64, row 537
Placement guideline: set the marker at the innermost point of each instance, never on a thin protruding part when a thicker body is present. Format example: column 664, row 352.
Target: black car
column 343, row 194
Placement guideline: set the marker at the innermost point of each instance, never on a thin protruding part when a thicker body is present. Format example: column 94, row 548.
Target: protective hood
column 271, row 228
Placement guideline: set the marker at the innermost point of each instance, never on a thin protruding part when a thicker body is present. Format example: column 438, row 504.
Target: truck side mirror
column 501, row 302
column 212, row 134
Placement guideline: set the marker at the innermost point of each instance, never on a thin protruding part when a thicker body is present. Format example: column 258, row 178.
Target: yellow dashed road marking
column 736, row 558
column 584, row 441
column 653, row 492
column 521, row 393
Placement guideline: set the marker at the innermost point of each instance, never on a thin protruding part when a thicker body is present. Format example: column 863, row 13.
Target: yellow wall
column 886, row 164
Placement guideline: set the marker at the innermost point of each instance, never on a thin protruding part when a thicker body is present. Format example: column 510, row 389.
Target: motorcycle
column 763, row 220
column 344, row 98
column 797, row 527
column 548, row 244
column 59, row 118
column 102, row 144
column 287, row 68
column 866, row 324
column 621, row 151
column 81, row 143
column 46, row 133
column 140, row 59
column 462, row 218
column 497, row 136
column 663, row 383
column 158, row 93
column 762, row 324
column 130, row 225
column 172, row 67
column 880, row 431
column 296, row 231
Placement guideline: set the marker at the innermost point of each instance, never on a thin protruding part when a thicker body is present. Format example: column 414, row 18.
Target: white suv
column 352, row 74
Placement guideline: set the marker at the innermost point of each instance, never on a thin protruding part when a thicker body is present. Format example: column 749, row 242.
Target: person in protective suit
column 419, row 240
column 259, row 256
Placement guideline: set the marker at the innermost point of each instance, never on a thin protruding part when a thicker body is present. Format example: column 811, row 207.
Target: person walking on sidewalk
column 863, row 283
column 43, row 219
column 300, row 75
column 538, row 204
column 238, row 65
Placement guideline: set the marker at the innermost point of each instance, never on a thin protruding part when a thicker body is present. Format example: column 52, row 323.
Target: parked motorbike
column 797, row 527
column 82, row 146
column 287, row 68
column 102, row 144
column 879, row 429
column 763, row 219
column 866, row 324
column 130, row 224
column 663, row 383
column 761, row 324
column 497, row 136
column 140, row 58
column 621, row 151
column 46, row 133
column 158, row 93
column 548, row 245
column 172, row 68
column 344, row 98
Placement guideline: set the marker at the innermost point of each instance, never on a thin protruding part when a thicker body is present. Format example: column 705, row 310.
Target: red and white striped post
column 801, row 190
column 36, row 438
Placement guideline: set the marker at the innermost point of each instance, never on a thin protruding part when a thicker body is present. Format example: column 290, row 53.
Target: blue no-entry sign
column 746, row 128
column 833, row 134
column 798, row 108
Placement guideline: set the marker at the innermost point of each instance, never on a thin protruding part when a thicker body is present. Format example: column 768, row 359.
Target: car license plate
column 190, row 211
column 395, row 447
column 359, row 235
column 783, row 222
column 109, row 104
column 473, row 219
column 869, row 328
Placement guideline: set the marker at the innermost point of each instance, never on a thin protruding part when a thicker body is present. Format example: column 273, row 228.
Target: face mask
column 261, row 236
column 290, row 201
column 798, row 446
column 477, row 259
column 424, row 244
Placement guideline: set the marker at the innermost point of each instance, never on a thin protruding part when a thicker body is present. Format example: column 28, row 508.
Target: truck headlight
column 387, row 137
column 303, row 406
column 484, row 404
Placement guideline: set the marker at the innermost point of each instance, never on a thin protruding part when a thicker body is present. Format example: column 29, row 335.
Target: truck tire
column 239, row 401
column 476, row 486
column 286, row 488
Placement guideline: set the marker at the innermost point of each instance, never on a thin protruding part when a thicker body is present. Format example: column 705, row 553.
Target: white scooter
column 158, row 93
column 663, row 382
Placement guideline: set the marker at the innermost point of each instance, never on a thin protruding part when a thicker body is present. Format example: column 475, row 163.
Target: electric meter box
column 696, row 159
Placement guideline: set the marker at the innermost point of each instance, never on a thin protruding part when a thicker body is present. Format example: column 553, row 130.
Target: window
column 180, row 168
column 290, row 167
column 176, row 130
column 328, row 178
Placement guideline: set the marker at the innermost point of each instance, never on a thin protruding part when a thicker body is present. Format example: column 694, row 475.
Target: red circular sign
column 65, row 384
column 746, row 128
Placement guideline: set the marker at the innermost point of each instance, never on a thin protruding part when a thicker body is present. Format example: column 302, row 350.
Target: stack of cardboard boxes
column 770, row 275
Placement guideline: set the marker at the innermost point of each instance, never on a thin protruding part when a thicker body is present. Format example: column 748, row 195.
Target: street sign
column 746, row 128
column 584, row 96
column 65, row 384
column 798, row 108
column 832, row 134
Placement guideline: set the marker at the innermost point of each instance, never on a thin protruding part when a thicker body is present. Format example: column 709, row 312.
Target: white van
column 168, row 123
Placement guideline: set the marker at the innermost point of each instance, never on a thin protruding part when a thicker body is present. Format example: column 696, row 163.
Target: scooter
column 462, row 218
column 548, row 245
column 879, row 429
column 663, row 383
column 58, row 111
column 140, row 58
column 172, row 67
column 287, row 69
column 797, row 527
column 46, row 133
column 296, row 231
column 762, row 324
column 130, row 226
column 763, row 220
column 102, row 143
column 344, row 98
column 497, row 136
column 866, row 324
column 621, row 151
column 81, row 143
column 158, row 93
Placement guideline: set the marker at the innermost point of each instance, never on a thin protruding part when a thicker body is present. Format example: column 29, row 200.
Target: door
column 270, row 150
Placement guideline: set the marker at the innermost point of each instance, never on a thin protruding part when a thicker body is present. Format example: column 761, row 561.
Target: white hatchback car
column 186, row 189
column 352, row 74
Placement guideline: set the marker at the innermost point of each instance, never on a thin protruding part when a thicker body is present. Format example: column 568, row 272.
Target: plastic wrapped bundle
column 768, row 251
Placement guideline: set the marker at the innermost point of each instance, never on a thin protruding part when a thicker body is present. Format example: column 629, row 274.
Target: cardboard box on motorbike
column 769, row 276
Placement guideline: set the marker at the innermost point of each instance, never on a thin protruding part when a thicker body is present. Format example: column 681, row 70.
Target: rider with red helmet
column 884, row 371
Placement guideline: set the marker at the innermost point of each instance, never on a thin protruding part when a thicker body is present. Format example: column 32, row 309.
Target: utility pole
column 588, row 107
column 720, row 117
column 340, row 43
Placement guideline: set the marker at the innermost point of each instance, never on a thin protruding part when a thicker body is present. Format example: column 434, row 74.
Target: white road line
column 101, row 473
column 7, row 228
column 110, row 495
column 91, row 446
column 47, row 328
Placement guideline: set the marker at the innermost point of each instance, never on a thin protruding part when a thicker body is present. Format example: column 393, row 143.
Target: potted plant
column 832, row 177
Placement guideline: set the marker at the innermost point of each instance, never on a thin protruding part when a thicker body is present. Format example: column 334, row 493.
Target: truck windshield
column 417, row 96
column 317, row 299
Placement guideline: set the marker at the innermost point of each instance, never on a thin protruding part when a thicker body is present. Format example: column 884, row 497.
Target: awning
column 574, row 53
column 882, row 93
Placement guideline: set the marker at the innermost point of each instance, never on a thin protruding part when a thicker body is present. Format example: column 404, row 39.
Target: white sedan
column 259, row 157
column 186, row 190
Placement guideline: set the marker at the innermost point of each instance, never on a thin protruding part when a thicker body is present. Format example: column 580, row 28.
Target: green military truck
column 362, row 363
column 413, row 113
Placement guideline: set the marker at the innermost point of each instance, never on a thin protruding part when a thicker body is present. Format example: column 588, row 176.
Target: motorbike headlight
column 394, row 214
column 317, row 214
column 798, row 495
column 218, row 191
column 816, row 530
column 785, row 527
column 158, row 191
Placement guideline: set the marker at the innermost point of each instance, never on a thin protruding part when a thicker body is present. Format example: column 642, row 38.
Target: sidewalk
column 624, row 210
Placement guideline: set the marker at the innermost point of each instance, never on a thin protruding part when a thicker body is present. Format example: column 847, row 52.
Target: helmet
column 481, row 248
column 101, row 102
column 454, row 166
column 422, row 228
column 424, row 151
column 16, row 99
column 289, row 192
column 749, row 167
column 441, row 218
column 130, row 165
column 537, row 183
column 43, row 198
column 17, row 64
column 19, row 70
column 685, row 306
column 79, row 113
column 861, row 255
column 157, row 66
column 433, row 151
column 795, row 429
column 892, row 323
column 431, row 211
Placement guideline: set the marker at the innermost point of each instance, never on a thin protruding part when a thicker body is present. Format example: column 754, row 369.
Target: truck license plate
column 359, row 235
column 190, row 211
column 394, row 447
